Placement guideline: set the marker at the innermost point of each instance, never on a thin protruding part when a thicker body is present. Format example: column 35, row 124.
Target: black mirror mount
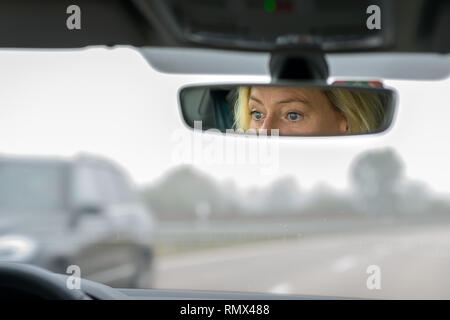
column 305, row 67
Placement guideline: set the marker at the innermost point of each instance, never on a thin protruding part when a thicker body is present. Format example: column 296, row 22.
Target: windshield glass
column 31, row 186
column 159, row 205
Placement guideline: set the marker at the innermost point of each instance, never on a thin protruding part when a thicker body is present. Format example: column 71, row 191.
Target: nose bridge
column 268, row 121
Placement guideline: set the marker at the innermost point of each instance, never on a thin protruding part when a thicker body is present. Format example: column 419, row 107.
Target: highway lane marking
column 227, row 254
column 344, row 263
column 282, row 288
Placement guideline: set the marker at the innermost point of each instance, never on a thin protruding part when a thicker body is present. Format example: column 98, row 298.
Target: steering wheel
column 27, row 281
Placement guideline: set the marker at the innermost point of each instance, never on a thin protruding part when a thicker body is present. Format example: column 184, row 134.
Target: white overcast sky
column 112, row 103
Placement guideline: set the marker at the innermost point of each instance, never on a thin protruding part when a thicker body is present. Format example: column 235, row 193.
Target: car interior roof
column 419, row 25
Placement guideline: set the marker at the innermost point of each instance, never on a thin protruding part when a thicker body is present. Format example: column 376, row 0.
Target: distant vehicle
column 84, row 211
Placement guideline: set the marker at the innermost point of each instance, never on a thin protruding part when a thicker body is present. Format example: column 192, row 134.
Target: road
column 413, row 263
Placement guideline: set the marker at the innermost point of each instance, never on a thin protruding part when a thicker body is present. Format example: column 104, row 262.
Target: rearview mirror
column 289, row 109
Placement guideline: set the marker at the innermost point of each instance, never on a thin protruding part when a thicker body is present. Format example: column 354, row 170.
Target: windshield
column 159, row 205
column 31, row 187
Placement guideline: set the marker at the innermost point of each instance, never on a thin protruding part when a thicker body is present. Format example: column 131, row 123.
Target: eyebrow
column 255, row 99
column 293, row 100
column 283, row 101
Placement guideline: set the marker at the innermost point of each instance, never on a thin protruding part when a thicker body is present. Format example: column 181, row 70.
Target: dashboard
column 27, row 282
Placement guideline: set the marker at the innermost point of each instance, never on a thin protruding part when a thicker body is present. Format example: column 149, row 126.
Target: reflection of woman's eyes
column 294, row 116
column 256, row 115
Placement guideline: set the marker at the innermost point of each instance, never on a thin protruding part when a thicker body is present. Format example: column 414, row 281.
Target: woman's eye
column 294, row 116
column 256, row 115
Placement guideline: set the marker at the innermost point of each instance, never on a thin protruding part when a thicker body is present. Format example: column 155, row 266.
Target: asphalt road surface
column 409, row 263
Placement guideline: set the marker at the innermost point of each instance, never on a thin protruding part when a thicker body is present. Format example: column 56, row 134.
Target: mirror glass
column 289, row 110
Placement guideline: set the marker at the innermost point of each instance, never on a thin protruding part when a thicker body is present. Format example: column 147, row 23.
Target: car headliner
column 383, row 65
column 417, row 25
column 419, row 51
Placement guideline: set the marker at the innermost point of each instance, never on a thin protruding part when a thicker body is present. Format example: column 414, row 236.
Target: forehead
column 279, row 93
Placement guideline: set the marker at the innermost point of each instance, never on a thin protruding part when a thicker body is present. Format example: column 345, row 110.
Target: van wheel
column 144, row 276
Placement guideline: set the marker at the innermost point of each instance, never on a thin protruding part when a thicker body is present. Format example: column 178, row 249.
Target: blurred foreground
column 413, row 264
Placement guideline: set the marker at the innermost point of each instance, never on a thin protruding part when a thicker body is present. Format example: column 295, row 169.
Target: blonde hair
column 363, row 111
